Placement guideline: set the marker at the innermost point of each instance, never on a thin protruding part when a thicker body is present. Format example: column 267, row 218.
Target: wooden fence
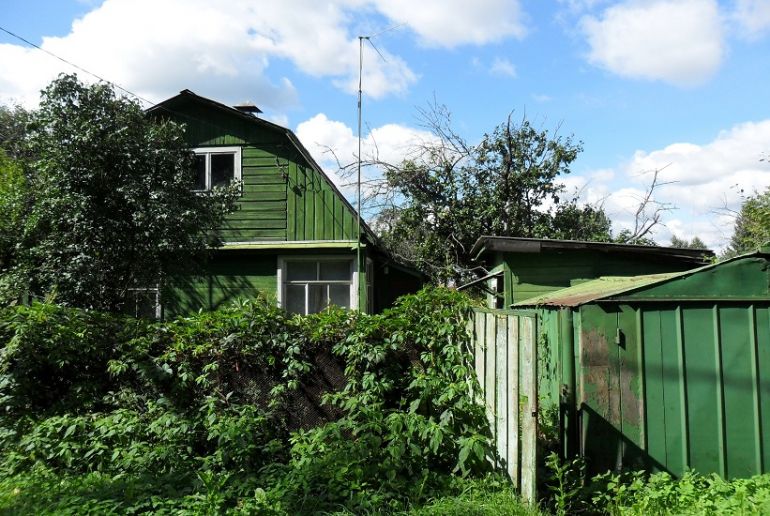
column 505, row 360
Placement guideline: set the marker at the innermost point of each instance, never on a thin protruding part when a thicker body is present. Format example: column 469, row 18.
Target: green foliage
column 566, row 494
column 634, row 494
column 14, row 193
column 13, row 132
column 450, row 193
column 752, row 227
column 695, row 243
column 110, row 205
column 639, row 493
column 106, row 404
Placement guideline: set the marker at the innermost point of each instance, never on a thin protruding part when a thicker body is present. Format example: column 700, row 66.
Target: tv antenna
column 361, row 40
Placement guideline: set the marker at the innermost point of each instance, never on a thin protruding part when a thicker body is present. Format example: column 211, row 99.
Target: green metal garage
column 665, row 372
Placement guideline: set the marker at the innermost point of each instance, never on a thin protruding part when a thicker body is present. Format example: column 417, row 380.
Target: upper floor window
column 216, row 166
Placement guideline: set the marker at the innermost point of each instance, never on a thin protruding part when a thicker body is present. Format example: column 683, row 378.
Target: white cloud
column 502, row 67
column 155, row 48
column 703, row 180
column 333, row 143
column 449, row 23
column 753, row 16
column 675, row 41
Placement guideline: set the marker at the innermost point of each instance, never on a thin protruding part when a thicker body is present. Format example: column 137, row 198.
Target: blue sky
column 677, row 85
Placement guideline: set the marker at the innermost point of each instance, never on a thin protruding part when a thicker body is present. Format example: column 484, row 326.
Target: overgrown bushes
column 239, row 410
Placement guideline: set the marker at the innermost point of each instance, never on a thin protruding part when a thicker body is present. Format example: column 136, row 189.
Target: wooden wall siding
column 283, row 198
column 228, row 277
column 505, row 362
column 261, row 213
column 315, row 211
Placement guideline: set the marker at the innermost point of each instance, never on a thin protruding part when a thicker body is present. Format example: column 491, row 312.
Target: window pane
column 339, row 295
column 335, row 271
column 147, row 304
column 295, row 299
column 301, row 271
column 200, row 172
column 316, row 300
column 222, row 169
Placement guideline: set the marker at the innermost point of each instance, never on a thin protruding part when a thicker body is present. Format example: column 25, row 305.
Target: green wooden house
column 293, row 236
column 523, row 268
column 666, row 372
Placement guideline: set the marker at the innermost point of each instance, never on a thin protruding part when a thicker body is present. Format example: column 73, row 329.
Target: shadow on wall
column 607, row 449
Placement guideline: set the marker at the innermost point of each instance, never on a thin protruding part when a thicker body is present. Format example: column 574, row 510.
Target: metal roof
column 610, row 287
column 488, row 243
column 595, row 289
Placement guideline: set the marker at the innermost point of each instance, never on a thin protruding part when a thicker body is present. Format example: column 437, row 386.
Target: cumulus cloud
column 703, row 182
column 753, row 17
column 449, row 23
column 676, row 41
column 155, row 48
column 333, row 143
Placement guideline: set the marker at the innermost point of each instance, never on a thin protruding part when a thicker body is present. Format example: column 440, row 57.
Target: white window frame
column 208, row 151
column 134, row 299
column 281, row 276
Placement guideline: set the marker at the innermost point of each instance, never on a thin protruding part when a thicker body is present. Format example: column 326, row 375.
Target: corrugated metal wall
column 676, row 386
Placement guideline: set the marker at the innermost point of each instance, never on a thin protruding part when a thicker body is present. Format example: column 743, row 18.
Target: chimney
column 248, row 108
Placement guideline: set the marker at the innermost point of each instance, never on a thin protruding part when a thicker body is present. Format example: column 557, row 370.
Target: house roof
column 538, row 245
column 167, row 107
column 703, row 283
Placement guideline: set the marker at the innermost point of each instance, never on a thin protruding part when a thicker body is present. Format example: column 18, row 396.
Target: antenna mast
column 358, row 182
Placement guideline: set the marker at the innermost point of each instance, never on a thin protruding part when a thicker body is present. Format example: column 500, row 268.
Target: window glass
column 295, row 299
column 222, row 169
column 310, row 286
column 339, row 295
column 301, row 271
column 335, row 271
column 316, row 298
column 200, row 172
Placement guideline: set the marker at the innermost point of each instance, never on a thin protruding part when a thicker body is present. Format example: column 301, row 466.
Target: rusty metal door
column 505, row 360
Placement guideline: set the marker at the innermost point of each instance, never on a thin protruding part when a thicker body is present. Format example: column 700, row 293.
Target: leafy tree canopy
column 695, row 243
column 449, row 193
column 752, row 227
column 110, row 204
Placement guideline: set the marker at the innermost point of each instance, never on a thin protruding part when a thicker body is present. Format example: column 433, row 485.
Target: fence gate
column 505, row 359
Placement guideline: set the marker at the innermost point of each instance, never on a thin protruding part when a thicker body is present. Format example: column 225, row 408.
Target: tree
column 695, row 243
column 449, row 193
column 13, row 131
column 13, row 208
column 112, row 201
column 752, row 225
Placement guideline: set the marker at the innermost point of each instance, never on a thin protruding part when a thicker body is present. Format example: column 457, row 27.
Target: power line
column 111, row 83
column 78, row 67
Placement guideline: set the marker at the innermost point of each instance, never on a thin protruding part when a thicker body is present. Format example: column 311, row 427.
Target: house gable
column 286, row 196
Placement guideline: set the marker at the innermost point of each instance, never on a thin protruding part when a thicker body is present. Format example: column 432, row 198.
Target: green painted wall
column 284, row 197
column 532, row 275
column 687, row 386
column 228, row 276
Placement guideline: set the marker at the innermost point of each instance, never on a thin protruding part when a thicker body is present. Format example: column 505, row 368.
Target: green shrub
column 213, row 401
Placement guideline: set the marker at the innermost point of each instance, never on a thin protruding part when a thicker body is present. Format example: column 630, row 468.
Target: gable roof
column 168, row 107
column 488, row 243
column 731, row 280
